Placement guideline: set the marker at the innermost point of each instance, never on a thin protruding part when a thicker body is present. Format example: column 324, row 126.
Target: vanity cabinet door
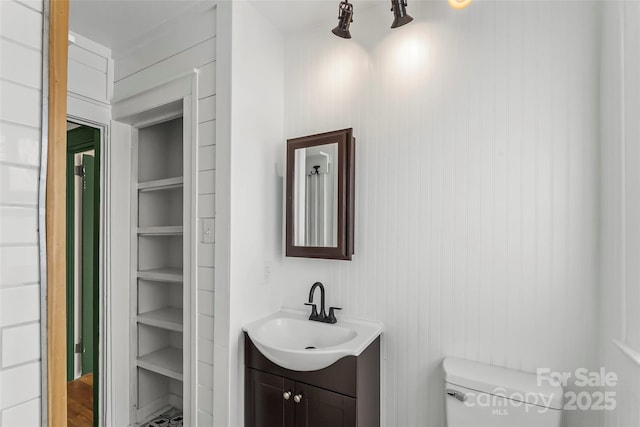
column 323, row 408
column 266, row 405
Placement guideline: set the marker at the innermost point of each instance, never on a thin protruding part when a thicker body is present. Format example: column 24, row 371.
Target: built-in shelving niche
column 158, row 315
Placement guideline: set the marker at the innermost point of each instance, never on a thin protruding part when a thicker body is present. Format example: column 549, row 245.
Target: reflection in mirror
column 316, row 196
column 320, row 195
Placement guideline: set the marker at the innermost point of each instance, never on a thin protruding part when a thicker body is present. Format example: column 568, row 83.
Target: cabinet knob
column 297, row 398
column 286, row 395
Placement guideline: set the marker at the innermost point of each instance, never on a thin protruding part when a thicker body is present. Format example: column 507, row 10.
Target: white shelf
column 162, row 275
column 165, row 318
column 168, row 230
column 161, row 184
column 167, row 362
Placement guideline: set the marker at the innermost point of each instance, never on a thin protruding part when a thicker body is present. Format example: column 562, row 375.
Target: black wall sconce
column 399, row 9
column 345, row 18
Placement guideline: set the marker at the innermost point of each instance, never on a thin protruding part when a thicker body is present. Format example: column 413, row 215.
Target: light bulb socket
column 345, row 18
column 400, row 15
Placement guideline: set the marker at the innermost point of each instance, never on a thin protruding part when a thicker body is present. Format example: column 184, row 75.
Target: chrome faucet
column 322, row 316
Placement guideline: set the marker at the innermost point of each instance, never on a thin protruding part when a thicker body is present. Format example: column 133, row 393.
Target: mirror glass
column 316, row 196
column 320, row 201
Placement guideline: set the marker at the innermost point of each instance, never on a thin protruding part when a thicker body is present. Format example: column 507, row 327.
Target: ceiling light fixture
column 399, row 9
column 459, row 4
column 345, row 18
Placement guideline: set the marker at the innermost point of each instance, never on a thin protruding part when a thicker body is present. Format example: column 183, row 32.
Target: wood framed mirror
column 320, row 195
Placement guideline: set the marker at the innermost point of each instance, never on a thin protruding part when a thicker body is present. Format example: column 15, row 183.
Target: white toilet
column 479, row 395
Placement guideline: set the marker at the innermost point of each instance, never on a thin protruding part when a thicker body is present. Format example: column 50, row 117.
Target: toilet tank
column 479, row 395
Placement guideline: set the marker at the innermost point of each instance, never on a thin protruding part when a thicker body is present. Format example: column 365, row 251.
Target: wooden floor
column 80, row 402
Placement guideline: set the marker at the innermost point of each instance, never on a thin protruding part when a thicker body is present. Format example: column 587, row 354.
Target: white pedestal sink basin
column 290, row 340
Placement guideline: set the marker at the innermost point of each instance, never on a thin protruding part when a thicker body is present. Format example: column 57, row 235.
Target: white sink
column 290, row 340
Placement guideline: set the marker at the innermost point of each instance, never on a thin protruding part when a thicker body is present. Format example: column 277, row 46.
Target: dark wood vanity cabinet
column 267, row 407
column 345, row 394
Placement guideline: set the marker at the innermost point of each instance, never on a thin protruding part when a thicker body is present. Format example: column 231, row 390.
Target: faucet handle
column 332, row 316
column 314, row 311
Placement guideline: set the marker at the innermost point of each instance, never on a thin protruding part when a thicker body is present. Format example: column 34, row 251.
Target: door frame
column 102, row 380
column 97, row 301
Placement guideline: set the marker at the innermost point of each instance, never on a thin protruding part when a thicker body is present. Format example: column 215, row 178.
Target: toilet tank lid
column 495, row 380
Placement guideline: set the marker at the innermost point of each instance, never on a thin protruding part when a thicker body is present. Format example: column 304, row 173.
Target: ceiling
column 117, row 24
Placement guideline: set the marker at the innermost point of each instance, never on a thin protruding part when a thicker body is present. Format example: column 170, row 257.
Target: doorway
column 82, row 249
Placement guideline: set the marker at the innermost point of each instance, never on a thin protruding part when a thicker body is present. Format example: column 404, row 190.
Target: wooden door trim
column 56, row 367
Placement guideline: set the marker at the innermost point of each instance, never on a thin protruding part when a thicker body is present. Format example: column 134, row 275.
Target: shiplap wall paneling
column 163, row 56
column 476, row 187
column 90, row 73
column 206, row 258
column 89, row 81
column 20, row 127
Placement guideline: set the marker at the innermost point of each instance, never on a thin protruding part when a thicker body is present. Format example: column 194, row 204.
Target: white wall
column 476, row 187
column 20, row 129
column 160, row 58
column 252, row 187
column 620, row 207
